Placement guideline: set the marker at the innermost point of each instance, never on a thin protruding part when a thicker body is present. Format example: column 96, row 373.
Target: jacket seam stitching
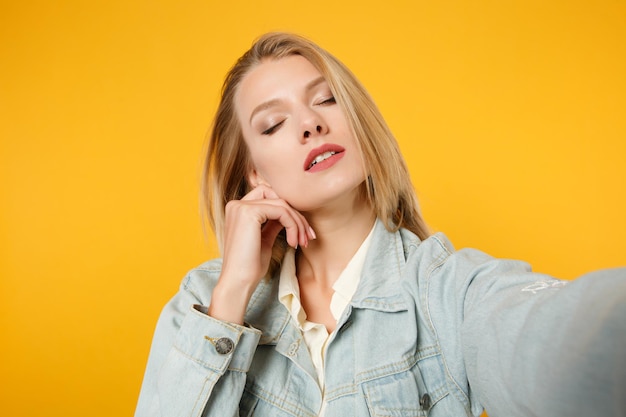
column 435, row 266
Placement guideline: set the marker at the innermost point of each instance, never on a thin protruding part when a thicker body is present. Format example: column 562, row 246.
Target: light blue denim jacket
column 430, row 332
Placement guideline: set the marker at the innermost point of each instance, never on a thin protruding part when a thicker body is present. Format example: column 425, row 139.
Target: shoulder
column 436, row 246
column 429, row 256
column 200, row 281
column 436, row 256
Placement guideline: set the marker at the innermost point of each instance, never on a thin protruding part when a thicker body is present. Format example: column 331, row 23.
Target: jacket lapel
column 380, row 287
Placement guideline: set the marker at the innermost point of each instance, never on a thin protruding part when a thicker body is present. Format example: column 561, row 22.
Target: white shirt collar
column 345, row 286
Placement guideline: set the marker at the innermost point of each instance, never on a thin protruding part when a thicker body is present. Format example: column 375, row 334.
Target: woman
column 331, row 298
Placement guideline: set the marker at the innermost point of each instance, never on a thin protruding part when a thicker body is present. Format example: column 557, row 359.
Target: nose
column 313, row 125
column 307, row 133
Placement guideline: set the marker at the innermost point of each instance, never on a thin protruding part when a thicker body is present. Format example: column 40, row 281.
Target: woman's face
column 299, row 139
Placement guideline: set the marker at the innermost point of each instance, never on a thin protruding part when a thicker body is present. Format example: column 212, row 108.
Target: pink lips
column 327, row 163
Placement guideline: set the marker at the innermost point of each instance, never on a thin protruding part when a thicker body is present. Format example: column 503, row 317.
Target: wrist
column 229, row 302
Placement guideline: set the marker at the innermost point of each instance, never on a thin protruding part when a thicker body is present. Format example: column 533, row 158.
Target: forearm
column 197, row 363
column 561, row 355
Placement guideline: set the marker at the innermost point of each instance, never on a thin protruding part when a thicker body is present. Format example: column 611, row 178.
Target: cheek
column 274, row 155
column 269, row 167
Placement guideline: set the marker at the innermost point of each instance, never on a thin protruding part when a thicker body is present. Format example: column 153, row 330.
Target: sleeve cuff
column 216, row 344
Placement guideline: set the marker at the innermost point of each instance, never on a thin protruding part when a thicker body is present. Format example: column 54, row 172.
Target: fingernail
column 312, row 232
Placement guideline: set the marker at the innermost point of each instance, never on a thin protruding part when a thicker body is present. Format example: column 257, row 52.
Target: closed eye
column 329, row 100
column 272, row 129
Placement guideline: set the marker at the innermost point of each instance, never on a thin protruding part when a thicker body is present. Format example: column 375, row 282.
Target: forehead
column 273, row 78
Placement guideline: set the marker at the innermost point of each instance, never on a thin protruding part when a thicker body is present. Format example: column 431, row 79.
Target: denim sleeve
column 532, row 345
column 187, row 373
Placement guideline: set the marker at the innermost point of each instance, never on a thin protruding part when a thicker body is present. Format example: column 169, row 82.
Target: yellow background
column 511, row 114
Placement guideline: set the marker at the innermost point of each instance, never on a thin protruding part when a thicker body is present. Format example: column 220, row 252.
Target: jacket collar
column 379, row 289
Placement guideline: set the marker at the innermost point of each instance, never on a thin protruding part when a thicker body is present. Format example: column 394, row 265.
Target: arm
column 547, row 347
column 527, row 344
column 251, row 227
column 201, row 350
column 186, row 373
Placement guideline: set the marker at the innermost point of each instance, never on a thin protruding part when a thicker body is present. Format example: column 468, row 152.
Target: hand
column 250, row 228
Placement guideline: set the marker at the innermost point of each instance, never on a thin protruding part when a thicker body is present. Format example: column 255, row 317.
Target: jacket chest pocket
column 397, row 395
column 255, row 403
column 411, row 392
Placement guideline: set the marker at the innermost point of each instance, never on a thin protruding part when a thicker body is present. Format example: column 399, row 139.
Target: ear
column 255, row 179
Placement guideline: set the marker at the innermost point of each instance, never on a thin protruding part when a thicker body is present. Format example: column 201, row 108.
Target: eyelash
column 272, row 129
column 329, row 100
column 269, row 131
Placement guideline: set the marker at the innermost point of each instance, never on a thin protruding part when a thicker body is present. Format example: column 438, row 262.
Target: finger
column 260, row 192
column 266, row 193
column 292, row 222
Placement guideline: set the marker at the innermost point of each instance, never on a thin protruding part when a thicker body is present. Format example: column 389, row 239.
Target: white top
column 315, row 334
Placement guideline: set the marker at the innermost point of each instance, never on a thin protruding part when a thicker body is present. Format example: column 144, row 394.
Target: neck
column 340, row 233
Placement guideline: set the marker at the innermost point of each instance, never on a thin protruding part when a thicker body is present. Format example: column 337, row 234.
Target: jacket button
column 224, row 345
column 425, row 402
column 293, row 348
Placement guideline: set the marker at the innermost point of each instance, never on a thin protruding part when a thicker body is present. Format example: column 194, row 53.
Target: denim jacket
column 430, row 332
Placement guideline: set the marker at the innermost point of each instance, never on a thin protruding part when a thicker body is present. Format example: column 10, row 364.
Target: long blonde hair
column 388, row 188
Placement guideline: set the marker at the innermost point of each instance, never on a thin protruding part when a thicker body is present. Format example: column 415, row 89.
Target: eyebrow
column 270, row 103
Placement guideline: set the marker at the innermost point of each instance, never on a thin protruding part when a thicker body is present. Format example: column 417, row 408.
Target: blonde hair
column 388, row 188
